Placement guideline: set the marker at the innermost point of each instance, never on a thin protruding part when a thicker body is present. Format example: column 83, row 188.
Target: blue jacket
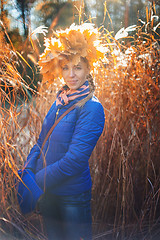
column 65, row 170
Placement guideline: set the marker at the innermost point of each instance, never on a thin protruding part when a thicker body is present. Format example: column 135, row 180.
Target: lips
column 72, row 82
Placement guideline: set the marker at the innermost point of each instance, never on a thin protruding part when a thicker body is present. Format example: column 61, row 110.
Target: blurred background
column 124, row 165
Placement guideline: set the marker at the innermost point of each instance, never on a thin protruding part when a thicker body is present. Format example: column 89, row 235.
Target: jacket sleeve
column 88, row 129
column 35, row 151
column 33, row 155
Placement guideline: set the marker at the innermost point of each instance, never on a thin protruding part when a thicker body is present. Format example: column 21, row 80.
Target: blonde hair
column 91, row 93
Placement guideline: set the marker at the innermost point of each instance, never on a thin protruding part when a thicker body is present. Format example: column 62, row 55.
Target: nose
column 71, row 73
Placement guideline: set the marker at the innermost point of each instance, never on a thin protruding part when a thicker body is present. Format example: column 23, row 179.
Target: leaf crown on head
column 72, row 43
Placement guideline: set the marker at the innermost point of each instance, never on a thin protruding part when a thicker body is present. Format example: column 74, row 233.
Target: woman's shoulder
column 93, row 107
column 93, row 103
column 92, row 114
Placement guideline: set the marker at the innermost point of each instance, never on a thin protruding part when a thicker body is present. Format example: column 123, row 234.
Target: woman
column 62, row 170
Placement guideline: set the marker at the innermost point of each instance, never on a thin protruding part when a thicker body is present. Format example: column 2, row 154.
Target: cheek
column 64, row 75
column 84, row 75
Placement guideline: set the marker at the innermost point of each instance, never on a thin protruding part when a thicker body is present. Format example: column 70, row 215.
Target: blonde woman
column 62, row 170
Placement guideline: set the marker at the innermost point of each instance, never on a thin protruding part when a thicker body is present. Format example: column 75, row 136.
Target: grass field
column 125, row 163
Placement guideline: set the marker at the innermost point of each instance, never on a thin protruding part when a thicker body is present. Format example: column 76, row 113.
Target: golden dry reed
column 125, row 163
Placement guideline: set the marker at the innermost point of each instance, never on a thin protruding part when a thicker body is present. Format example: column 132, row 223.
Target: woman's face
column 75, row 75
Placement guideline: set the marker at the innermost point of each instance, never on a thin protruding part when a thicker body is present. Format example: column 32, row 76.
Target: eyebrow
column 78, row 65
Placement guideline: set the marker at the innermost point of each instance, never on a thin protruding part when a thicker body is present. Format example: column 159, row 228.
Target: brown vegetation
column 125, row 163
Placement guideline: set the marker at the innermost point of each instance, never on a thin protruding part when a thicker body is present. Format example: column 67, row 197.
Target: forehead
column 71, row 63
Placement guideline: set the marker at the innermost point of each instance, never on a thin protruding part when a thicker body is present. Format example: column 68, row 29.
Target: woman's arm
column 36, row 149
column 33, row 155
column 88, row 129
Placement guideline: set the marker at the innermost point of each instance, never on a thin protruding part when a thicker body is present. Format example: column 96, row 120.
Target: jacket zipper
column 57, row 114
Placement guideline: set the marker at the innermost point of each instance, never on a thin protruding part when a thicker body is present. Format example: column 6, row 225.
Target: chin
column 73, row 87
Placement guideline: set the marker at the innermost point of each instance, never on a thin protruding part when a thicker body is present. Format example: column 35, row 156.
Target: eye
column 65, row 68
column 78, row 67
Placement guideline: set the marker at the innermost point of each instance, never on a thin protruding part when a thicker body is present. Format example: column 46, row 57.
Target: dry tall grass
column 19, row 122
column 125, row 163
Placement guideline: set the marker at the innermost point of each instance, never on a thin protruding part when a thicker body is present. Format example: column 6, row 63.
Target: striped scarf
column 65, row 95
